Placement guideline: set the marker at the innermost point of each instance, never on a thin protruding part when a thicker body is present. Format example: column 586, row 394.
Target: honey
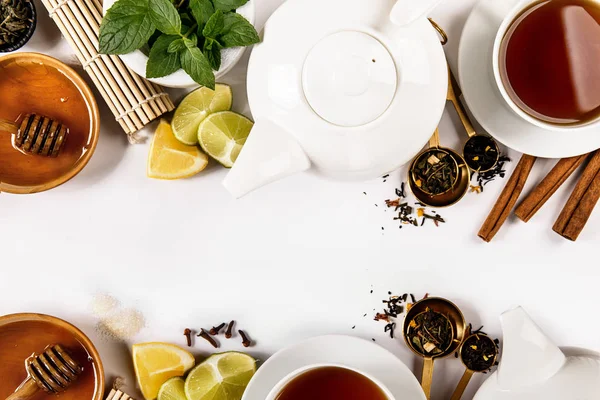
column 30, row 86
column 20, row 339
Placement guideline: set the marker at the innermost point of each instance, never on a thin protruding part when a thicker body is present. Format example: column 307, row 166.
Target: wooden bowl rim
column 77, row 333
column 92, row 106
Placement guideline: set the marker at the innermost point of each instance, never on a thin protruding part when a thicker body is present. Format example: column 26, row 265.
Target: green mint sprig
column 192, row 34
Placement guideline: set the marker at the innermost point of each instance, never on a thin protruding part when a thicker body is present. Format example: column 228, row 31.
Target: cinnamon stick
column 508, row 198
column 548, row 186
column 579, row 207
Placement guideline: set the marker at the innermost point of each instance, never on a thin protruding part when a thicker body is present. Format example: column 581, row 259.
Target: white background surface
column 293, row 260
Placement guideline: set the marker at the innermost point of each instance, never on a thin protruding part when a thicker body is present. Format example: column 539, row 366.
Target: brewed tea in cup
column 329, row 382
column 547, row 62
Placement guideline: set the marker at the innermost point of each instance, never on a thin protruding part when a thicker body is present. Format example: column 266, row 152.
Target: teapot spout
column 408, row 11
column 529, row 357
column 269, row 154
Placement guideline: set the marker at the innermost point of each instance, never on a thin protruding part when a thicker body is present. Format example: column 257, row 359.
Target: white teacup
column 497, row 59
column 289, row 378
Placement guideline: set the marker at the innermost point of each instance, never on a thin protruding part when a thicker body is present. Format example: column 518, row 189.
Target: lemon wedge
column 156, row 363
column 170, row 159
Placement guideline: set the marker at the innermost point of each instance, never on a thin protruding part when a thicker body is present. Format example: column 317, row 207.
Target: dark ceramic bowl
column 28, row 33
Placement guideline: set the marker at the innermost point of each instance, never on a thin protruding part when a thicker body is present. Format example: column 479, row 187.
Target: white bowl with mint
column 179, row 43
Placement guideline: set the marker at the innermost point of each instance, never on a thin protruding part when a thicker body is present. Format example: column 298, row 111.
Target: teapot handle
column 408, row 11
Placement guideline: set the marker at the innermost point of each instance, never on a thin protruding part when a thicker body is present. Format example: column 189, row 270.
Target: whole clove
column 216, row 329
column 204, row 335
column 246, row 342
column 188, row 335
column 229, row 332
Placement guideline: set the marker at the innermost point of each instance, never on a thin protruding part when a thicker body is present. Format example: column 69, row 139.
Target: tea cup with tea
column 329, row 381
column 546, row 62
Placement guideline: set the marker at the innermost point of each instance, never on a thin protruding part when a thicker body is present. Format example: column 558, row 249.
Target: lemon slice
column 222, row 135
column 195, row 107
column 156, row 363
column 170, row 159
column 221, row 377
column 173, row 389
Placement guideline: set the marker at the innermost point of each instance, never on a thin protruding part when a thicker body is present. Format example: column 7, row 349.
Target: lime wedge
column 173, row 389
column 195, row 107
column 221, row 377
column 222, row 135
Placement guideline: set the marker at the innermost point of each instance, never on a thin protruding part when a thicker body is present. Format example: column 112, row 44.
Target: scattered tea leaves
column 483, row 178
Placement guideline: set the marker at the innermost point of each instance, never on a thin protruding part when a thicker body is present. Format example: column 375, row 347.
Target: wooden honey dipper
column 52, row 371
column 37, row 134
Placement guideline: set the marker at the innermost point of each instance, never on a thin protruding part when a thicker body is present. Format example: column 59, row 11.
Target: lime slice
column 173, row 389
column 221, row 377
column 222, row 135
column 195, row 107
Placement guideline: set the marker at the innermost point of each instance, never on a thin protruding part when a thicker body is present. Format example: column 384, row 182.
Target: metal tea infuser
column 459, row 187
column 466, row 378
column 475, row 139
column 458, row 326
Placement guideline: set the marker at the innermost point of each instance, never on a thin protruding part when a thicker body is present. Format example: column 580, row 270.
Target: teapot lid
column 349, row 78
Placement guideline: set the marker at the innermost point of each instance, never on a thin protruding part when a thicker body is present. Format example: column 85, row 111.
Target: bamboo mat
column 133, row 100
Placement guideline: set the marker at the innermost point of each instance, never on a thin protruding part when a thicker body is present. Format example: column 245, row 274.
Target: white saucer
column 487, row 105
column 345, row 350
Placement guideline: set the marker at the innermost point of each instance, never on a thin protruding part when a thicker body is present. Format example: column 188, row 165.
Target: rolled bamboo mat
column 133, row 100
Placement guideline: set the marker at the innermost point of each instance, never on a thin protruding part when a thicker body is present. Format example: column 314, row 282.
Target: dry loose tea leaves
column 435, row 172
column 430, row 332
column 15, row 19
column 483, row 178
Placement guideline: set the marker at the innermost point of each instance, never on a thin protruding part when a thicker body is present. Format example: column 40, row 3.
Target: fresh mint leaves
column 228, row 5
column 188, row 34
column 212, row 51
column 165, row 17
column 215, row 25
column 162, row 61
column 126, row 27
column 237, row 31
column 202, row 10
column 196, row 65
column 176, row 45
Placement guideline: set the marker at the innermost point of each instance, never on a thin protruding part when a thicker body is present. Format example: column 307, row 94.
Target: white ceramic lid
column 349, row 78
column 352, row 128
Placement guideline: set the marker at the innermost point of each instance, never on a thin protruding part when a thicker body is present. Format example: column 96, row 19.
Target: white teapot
column 534, row 368
column 353, row 88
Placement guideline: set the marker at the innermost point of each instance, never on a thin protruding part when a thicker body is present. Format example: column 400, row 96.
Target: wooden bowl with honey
column 32, row 83
column 22, row 335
